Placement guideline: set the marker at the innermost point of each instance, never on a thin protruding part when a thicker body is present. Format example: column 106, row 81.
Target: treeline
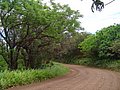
column 101, row 47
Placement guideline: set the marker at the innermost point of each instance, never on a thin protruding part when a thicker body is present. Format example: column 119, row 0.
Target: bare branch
column 109, row 2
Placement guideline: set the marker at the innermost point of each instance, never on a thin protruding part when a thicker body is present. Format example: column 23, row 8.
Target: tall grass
column 3, row 64
column 21, row 77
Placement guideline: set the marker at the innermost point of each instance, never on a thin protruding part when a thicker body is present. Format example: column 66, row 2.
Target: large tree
column 24, row 21
column 61, row 19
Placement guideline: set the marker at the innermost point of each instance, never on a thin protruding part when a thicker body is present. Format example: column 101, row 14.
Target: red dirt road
column 79, row 78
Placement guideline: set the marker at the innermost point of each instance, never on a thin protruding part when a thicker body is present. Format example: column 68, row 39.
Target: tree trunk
column 13, row 59
column 28, row 59
column 32, row 61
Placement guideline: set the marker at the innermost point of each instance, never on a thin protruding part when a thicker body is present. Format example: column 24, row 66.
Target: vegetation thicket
column 102, row 49
column 105, row 44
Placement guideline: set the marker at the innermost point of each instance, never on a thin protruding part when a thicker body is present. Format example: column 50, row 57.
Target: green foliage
column 67, row 48
column 104, row 44
column 24, row 21
column 3, row 65
column 115, row 49
column 21, row 77
column 105, row 64
column 88, row 44
column 105, row 38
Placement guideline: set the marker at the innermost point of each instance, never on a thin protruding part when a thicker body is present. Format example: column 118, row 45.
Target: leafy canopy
column 105, row 43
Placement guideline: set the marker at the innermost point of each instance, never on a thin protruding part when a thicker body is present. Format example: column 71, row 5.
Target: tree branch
column 109, row 2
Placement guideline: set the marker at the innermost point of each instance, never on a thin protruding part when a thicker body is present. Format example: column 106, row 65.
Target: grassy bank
column 105, row 64
column 22, row 77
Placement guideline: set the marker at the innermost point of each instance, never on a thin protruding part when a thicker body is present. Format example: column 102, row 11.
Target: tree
column 104, row 43
column 24, row 21
column 115, row 49
column 89, row 46
column 18, row 28
column 65, row 20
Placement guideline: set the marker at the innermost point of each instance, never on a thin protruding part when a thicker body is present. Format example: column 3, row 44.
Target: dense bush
column 106, row 64
column 105, row 44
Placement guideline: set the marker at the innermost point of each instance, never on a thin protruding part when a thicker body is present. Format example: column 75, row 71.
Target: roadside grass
column 22, row 77
column 3, row 65
column 104, row 64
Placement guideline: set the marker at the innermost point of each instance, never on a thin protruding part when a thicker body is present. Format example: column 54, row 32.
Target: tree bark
column 13, row 59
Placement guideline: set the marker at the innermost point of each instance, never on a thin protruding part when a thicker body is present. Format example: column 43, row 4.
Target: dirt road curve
column 80, row 78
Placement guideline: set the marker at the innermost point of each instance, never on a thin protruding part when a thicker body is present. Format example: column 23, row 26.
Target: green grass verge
column 3, row 65
column 105, row 64
column 19, row 77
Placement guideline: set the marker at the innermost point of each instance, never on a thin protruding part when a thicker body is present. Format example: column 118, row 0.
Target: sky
column 95, row 21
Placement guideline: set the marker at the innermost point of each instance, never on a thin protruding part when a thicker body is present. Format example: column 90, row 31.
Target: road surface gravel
column 79, row 78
